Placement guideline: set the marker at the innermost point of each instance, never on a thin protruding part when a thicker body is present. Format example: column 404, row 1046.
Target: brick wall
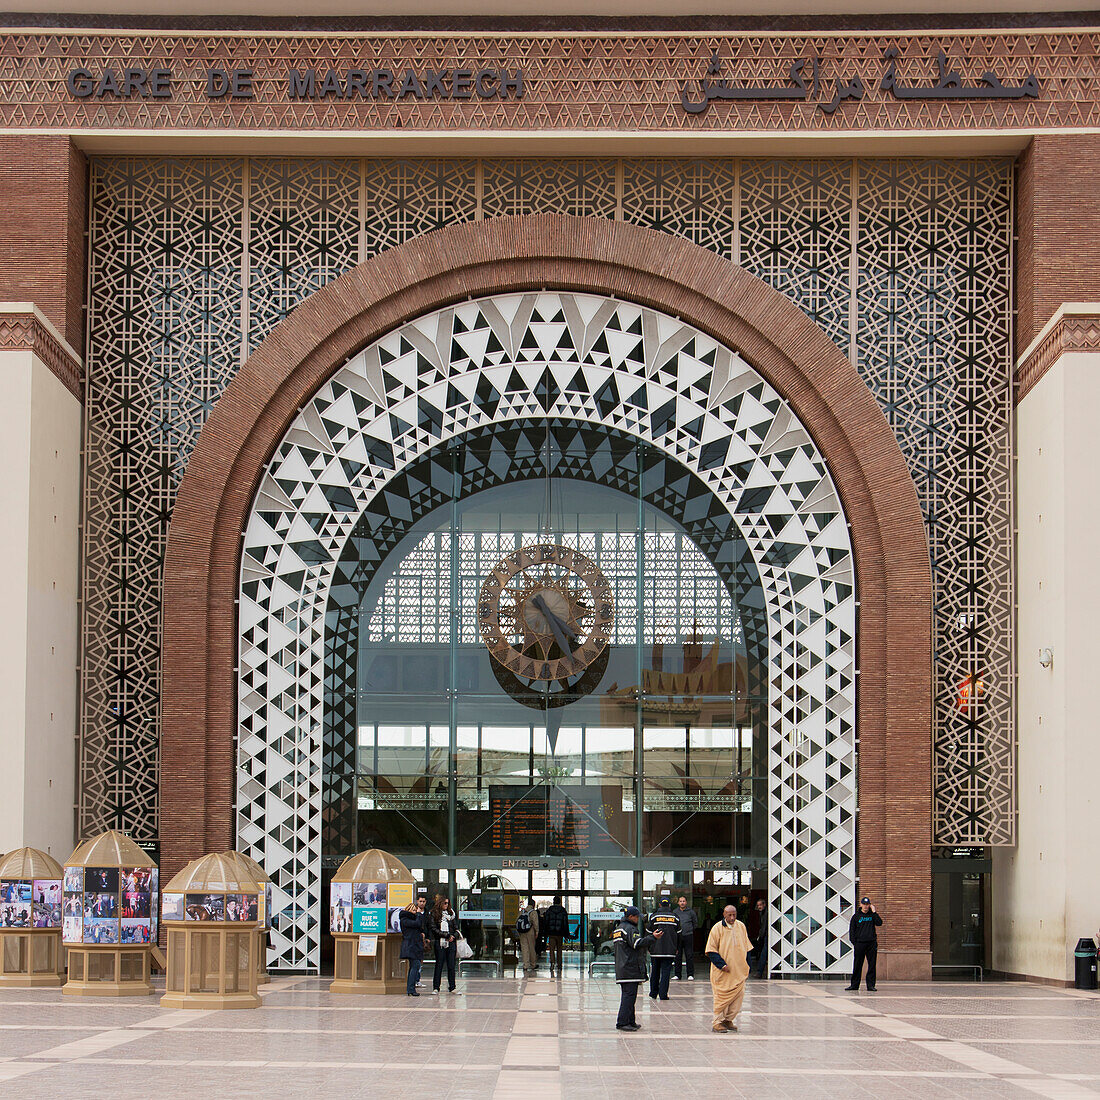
column 892, row 562
column 1058, row 224
column 43, row 189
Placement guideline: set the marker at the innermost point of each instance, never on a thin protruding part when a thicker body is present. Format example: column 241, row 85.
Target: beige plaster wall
column 40, row 510
column 1046, row 893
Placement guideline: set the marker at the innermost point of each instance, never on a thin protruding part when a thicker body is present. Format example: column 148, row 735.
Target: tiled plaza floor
column 541, row 1039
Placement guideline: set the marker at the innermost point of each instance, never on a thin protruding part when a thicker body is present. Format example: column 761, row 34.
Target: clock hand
column 556, row 625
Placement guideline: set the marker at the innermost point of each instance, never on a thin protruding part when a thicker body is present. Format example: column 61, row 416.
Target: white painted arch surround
column 612, row 363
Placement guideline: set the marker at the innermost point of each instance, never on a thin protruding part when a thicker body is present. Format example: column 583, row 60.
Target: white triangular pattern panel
column 645, row 374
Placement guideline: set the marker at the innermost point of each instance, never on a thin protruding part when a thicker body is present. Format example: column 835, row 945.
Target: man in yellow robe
column 727, row 946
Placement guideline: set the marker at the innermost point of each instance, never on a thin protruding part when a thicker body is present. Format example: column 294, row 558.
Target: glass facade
column 653, row 752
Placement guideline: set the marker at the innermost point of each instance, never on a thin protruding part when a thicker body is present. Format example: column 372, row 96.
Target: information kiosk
column 212, row 912
column 30, row 919
column 109, row 920
column 367, row 891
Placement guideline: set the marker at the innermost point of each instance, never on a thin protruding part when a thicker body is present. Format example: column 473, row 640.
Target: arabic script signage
column 805, row 85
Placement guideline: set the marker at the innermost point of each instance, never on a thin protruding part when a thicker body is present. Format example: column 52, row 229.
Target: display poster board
column 369, row 919
column 171, row 907
column 16, row 904
column 339, row 912
column 46, row 905
column 369, row 907
column 368, row 945
column 109, row 905
column 400, row 894
column 511, row 909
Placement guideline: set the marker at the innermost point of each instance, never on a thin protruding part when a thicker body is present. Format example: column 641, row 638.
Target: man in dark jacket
column 864, row 940
column 664, row 951
column 413, row 926
column 758, row 936
column 555, row 924
column 630, row 946
column 685, row 949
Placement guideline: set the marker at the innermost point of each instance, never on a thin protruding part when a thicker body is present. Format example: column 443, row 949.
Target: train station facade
column 605, row 456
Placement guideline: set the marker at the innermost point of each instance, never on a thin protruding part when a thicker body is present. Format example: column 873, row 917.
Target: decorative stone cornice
column 24, row 328
column 1075, row 327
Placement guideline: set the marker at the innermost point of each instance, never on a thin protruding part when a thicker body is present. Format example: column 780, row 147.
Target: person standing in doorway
column 685, row 950
column 443, row 932
column 727, row 946
column 664, row 950
column 556, row 927
column 758, row 935
column 630, row 947
column 413, row 940
column 863, row 935
column 527, row 932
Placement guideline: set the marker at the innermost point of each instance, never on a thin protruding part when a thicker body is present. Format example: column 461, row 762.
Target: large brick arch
column 794, row 355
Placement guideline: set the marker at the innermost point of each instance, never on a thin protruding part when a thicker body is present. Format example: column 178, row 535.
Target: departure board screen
column 547, row 820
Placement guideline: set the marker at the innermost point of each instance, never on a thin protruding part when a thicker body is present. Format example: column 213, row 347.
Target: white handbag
column 463, row 950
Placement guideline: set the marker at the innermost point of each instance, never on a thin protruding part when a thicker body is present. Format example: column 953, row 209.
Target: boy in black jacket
column 864, row 939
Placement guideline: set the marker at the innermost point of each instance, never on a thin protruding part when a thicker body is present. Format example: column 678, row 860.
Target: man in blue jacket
column 630, row 972
column 864, row 939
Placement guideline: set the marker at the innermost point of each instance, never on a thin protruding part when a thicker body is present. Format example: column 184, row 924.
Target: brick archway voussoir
column 202, row 561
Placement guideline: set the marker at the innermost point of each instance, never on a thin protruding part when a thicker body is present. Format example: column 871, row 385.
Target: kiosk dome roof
column 109, row 849
column 373, row 865
column 29, row 863
column 218, row 872
column 250, row 865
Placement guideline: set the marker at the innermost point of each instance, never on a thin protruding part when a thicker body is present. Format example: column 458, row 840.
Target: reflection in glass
column 662, row 754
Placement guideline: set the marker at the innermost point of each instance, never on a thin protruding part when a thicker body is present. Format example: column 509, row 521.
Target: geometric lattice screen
column 511, row 359
column 906, row 265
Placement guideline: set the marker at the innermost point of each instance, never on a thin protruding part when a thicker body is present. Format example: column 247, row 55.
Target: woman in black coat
column 443, row 930
column 413, row 927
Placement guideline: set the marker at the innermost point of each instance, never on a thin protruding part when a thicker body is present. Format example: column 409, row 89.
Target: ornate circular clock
column 545, row 614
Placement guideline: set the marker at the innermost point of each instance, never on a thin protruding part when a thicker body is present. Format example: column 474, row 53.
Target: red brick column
column 43, row 184
column 655, row 269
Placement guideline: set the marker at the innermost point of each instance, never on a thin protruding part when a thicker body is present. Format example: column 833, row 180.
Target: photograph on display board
column 72, row 928
column 47, row 891
column 135, row 903
column 339, row 919
column 15, row 914
column 100, row 880
column 135, row 930
column 74, row 880
column 46, row 915
column 100, row 906
column 16, row 891
column 73, row 906
column 171, row 907
column 100, row 931
column 268, row 900
column 137, row 878
column 204, row 907
column 369, row 893
column 238, row 907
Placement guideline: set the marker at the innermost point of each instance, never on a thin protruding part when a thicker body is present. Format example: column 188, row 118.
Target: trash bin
column 1084, row 960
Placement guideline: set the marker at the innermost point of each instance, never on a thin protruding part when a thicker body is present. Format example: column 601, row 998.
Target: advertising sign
column 400, row 894
column 369, row 919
